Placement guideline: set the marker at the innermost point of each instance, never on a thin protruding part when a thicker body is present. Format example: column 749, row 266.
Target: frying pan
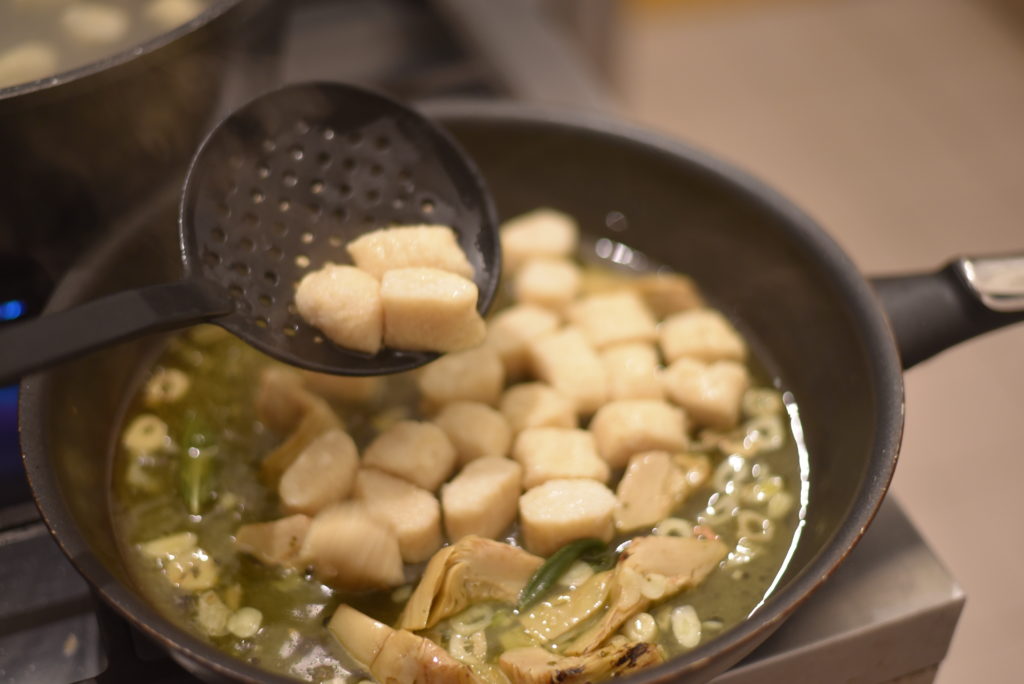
column 807, row 312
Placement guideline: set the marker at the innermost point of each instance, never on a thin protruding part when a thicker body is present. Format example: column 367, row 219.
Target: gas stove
column 887, row 615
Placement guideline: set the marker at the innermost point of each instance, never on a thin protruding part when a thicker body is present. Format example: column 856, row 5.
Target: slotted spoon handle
column 53, row 338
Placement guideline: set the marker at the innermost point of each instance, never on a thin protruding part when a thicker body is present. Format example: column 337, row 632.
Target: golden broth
column 218, row 415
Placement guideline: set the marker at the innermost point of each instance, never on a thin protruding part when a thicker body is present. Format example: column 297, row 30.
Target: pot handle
column 930, row 312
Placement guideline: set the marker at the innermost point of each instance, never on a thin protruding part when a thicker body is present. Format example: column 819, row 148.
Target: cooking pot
column 82, row 145
column 816, row 322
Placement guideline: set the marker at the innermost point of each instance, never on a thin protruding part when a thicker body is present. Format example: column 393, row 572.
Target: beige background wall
column 899, row 125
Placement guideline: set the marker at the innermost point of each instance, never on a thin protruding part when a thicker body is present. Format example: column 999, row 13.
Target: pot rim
column 135, row 51
column 884, row 371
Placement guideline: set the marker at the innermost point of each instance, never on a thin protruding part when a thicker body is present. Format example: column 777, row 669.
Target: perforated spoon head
column 283, row 184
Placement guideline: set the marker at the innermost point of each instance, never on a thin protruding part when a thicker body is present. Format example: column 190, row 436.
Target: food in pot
column 410, row 289
column 42, row 38
column 27, row 60
column 607, row 481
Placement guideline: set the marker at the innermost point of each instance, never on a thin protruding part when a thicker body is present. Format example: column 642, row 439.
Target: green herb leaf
column 556, row 566
column 195, row 469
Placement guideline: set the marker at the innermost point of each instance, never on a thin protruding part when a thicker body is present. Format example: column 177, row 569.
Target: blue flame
column 12, row 310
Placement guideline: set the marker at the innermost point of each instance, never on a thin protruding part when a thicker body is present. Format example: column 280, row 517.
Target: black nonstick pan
column 820, row 326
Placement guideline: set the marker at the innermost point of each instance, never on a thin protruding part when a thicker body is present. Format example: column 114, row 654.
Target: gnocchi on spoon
column 287, row 188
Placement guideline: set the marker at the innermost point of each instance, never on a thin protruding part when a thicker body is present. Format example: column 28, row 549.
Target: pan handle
column 930, row 312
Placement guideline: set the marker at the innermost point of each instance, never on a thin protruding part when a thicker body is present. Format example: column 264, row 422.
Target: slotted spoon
column 277, row 190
